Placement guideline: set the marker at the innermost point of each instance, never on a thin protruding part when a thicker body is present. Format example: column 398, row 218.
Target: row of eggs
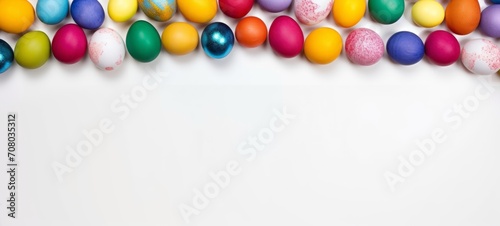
column 323, row 45
column 461, row 16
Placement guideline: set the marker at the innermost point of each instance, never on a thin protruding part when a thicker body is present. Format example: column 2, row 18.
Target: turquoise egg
column 159, row 10
column 52, row 11
column 6, row 56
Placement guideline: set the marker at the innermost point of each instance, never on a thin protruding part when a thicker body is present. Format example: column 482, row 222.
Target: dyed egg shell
column 198, row 11
column 462, row 16
column 236, row 8
column 364, row 47
column 311, row 12
column 323, row 45
column 106, row 49
column 143, row 41
column 32, row 50
column 159, row 10
column 88, row 14
column 52, row 11
column 180, row 38
column 286, row 37
column 217, row 40
column 427, row 13
column 251, row 32
column 6, row 56
column 69, row 44
column 386, row 11
column 405, row 48
column 490, row 21
column 122, row 10
column 481, row 56
column 348, row 13
column 16, row 16
column 274, row 6
column 442, row 48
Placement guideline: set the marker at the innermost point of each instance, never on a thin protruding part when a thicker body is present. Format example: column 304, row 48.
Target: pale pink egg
column 481, row 56
column 106, row 49
column 310, row 12
column 364, row 47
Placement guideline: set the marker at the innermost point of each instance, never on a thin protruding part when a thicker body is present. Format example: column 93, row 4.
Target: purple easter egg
column 490, row 21
column 275, row 6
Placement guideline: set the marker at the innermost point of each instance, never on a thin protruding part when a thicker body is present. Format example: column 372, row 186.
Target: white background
column 325, row 168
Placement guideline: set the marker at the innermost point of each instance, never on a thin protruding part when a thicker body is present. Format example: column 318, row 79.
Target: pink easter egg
column 69, row 44
column 442, row 48
column 286, row 37
column 364, row 47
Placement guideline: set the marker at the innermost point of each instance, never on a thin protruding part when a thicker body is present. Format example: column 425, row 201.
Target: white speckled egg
column 310, row 12
column 106, row 49
column 481, row 56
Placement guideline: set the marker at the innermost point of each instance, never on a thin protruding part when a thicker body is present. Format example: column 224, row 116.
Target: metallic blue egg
column 217, row 40
column 6, row 56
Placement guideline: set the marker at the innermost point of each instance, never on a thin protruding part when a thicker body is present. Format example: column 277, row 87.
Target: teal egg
column 52, row 11
column 159, row 10
column 6, row 56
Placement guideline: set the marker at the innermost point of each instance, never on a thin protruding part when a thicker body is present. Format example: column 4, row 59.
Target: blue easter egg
column 217, row 40
column 6, row 56
column 495, row 1
column 88, row 14
column 52, row 11
column 405, row 48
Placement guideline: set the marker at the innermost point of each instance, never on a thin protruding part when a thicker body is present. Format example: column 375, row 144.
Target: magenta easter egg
column 442, row 48
column 236, row 8
column 364, row 47
column 286, row 37
column 69, row 44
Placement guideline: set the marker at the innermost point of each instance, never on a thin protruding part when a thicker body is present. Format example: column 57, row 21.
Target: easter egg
column 405, row 48
column 32, row 50
column 69, row 44
column 481, row 56
column 310, row 12
column 106, row 49
column 348, row 13
column 364, row 47
column 143, row 41
column 251, row 32
column 88, row 14
column 495, row 1
column 462, row 16
column 198, row 11
column 442, row 48
column 286, row 37
column 16, row 16
column 122, row 10
column 490, row 21
column 274, row 6
column 159, row 10
column 52, row 11
column 180, row 38
column 236, row 8
column 323, row 45
column 217, row 40
column 386, row 11
column 427, row 13
column 6, row 56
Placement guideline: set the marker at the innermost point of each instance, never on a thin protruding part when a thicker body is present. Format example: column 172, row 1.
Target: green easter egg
column 32, row 50
column 386, row 11
column 143, row 41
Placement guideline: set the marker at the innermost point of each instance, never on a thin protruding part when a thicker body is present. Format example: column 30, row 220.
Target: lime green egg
column 32, row 50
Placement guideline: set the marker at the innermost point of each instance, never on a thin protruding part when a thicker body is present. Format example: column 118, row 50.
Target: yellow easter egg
column 323, row 45
column 180, row 38
column 198, row 11
column 348, row 13
column 122, row 10
column 427, row 13
column 16, row 16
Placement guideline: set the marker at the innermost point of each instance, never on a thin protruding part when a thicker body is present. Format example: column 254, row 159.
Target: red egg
column 286, row 37
column 442, row 48
column 69, row 44
column 236, row 8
